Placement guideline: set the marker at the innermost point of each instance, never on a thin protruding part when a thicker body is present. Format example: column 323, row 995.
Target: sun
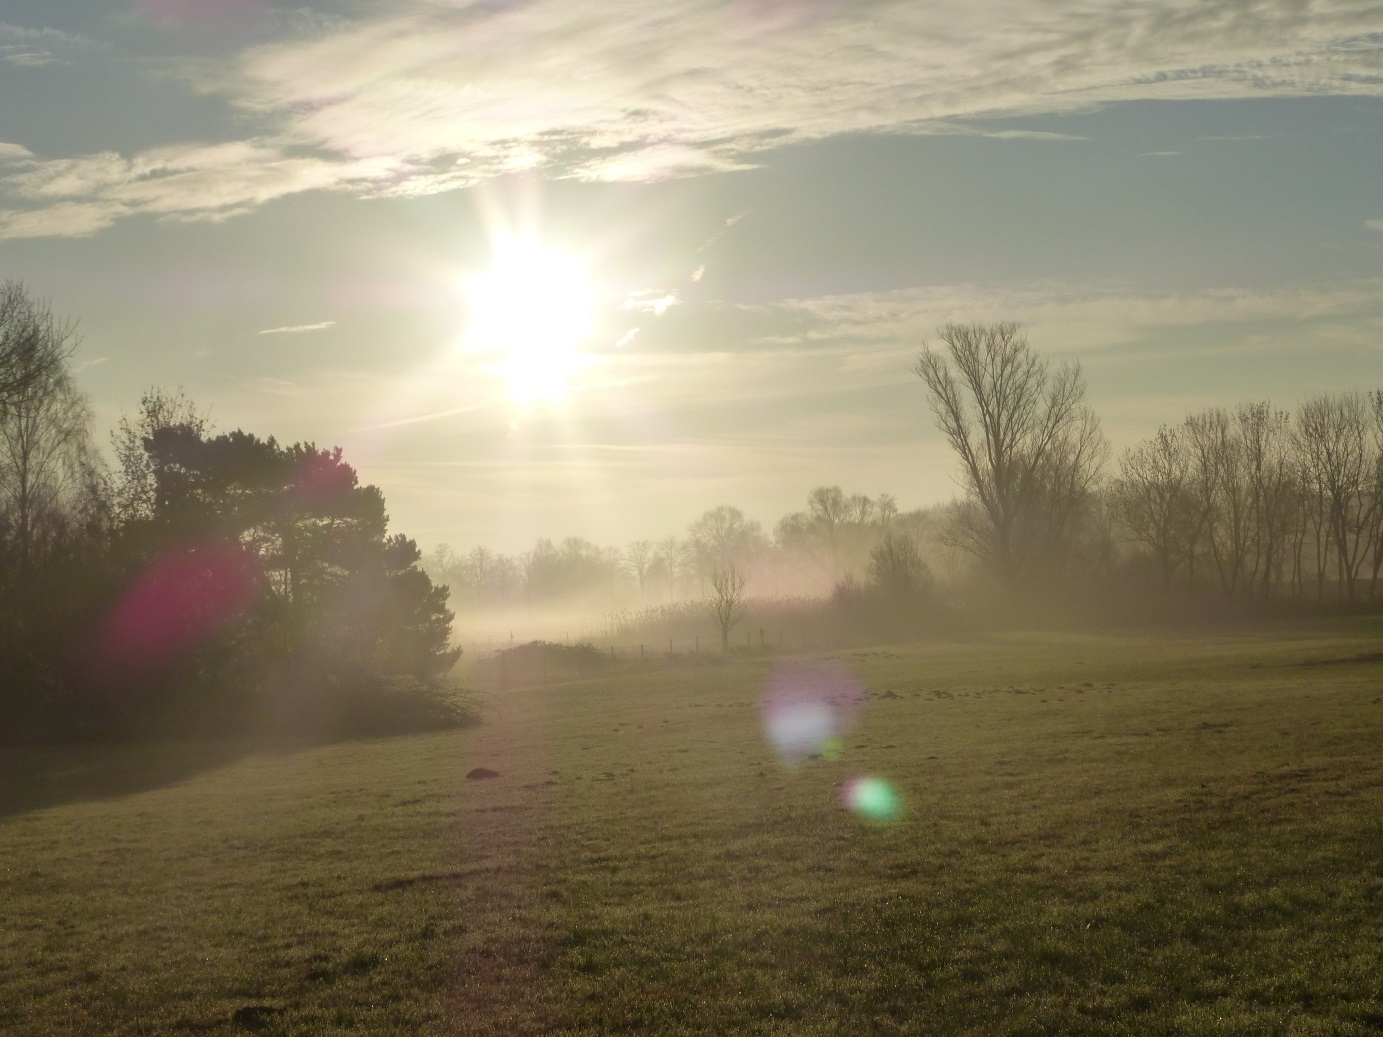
column 532, row 310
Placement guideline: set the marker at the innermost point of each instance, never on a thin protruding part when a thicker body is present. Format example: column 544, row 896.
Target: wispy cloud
column 1073, row 318
column 433, row 95
column 418, row 419
column 651, row 301
column 1374, row 225
column 10, row 153
column 293, row 329
column 34, row 48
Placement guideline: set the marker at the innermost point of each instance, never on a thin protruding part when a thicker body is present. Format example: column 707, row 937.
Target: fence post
column 698, row 644
column 612, row 653
column 669, row 646
column 640, row 653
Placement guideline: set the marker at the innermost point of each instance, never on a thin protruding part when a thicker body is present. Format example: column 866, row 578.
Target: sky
column 752, row 214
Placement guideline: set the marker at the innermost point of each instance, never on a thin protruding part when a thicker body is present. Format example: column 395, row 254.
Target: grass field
column 1096, row 835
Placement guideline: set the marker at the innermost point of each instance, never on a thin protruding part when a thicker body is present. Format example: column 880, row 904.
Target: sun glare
column 532, row 310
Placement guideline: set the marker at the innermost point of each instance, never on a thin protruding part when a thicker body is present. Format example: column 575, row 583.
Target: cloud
column 182, row 182
column 651, row 301
column 1029, row 135
column 34, row 48
column 293, row 329
column 1374, row 224
column 11, row 153
column 427, row 96
column 1072, row 319
column 61, row 220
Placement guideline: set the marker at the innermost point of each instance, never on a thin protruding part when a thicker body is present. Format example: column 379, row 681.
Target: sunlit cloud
column 654, row 302
column 61, row 220
column 1071, row 318
column 11, row 153
column 439, row 95
column 294, row 329
column 196, row 182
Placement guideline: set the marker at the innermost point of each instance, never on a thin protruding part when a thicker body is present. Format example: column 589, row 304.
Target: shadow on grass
column 36, row 777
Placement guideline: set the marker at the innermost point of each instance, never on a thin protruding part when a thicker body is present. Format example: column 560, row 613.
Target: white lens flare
column 808, row 708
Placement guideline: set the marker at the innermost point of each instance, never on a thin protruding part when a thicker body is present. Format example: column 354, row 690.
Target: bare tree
column 727, row 599
column 136, row 485
column 722, row 537
column 1267, row 438
column 670, row 560
column 836, row 532
column 1030, row 448
column 896, row 566
column 641, row 555
column 34, row 344
column 1336, row 440
column 1376, row 531
column 48, row 468
column 1220, row 489
column 1150, row 499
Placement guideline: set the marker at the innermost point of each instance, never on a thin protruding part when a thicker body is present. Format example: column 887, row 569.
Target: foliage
column 216, row 580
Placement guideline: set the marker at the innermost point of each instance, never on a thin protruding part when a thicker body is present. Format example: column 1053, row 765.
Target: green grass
column 1097, row 835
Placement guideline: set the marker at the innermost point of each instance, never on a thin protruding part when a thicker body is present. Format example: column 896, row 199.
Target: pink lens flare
column 808, row 708
column 322, row 477
column 182, row 597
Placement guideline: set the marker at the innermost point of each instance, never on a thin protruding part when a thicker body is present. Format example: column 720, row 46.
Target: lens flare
column 808, row 707
column 179, row 600
column 871, row 798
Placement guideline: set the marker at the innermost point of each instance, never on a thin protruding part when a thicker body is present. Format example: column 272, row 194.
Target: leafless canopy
column 1030, row 448
column 34, row 344
column 727, row 599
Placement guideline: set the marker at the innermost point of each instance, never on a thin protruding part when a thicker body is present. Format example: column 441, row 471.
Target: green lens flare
column 873, row 798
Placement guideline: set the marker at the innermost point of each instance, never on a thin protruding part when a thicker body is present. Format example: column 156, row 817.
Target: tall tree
column 35, row 344
column 641, row 555
column 836, row 532
column 1150, row 498
column 49, row 471
column 342, row 594
column 1030, row 448
column 722, row 537
column 1335, row 437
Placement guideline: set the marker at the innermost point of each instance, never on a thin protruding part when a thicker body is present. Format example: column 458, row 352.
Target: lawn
column 1094, row 835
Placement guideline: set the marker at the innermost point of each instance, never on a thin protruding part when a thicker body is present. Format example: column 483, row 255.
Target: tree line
column 207, row 581
column 1230, row 505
